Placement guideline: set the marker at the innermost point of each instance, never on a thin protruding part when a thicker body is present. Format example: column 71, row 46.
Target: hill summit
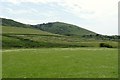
column 63, row 29
column 60, row 28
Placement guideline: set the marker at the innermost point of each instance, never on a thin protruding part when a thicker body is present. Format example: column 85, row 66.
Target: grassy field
column 60, row 63
column 20, row 30
column 19, row 37
column 0, row 64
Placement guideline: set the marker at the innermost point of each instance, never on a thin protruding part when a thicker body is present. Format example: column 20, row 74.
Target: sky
column 100, row 16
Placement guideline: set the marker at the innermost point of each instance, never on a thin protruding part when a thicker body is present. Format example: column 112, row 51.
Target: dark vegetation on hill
column 103, row 37
column 63, row 29
column 12, row 23
column 57, row 34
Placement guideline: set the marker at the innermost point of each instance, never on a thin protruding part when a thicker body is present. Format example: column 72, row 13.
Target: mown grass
column 60, row 63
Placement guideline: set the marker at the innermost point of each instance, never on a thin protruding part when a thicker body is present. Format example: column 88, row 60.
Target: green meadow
column 60, row 63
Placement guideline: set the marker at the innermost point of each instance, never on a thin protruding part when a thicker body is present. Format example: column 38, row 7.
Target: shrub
column 105, row 45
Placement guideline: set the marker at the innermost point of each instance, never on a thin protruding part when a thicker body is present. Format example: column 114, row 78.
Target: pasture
column 60, row 63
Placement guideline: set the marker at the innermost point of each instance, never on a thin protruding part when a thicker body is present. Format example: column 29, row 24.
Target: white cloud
column 92, row 8
column 101, row 14
column 81, row 8
column 31, row 1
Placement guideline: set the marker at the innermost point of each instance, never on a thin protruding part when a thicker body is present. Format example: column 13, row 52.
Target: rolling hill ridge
column 54, row 27
column 56, row 34
column 64, row 29
column 10, row 22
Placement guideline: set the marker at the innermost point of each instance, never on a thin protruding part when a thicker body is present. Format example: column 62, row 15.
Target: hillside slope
column 10, row 22
column 21, row 30
column 18, row 36
column 63, row 29
column 55, row 27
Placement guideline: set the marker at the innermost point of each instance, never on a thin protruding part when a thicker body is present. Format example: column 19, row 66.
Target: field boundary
column 94, row 49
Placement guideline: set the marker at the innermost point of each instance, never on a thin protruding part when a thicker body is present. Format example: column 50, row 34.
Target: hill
column 13, row 27
column 19, row 35
column 55, row 27
column 10, row 22
column 64, row 29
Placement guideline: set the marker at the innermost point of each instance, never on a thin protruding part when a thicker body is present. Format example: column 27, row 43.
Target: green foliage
column 18, row 42
column 105, row 45
column 38, row 41
column 103, row 37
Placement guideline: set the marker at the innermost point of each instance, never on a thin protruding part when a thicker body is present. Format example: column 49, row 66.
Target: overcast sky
column 100, row 16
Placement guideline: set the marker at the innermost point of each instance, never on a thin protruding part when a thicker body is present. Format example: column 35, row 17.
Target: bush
column 105, row 45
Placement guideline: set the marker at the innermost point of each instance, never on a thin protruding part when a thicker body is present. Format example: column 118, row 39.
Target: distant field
column 20, row 30
column 60, row 63
column 19, row 37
